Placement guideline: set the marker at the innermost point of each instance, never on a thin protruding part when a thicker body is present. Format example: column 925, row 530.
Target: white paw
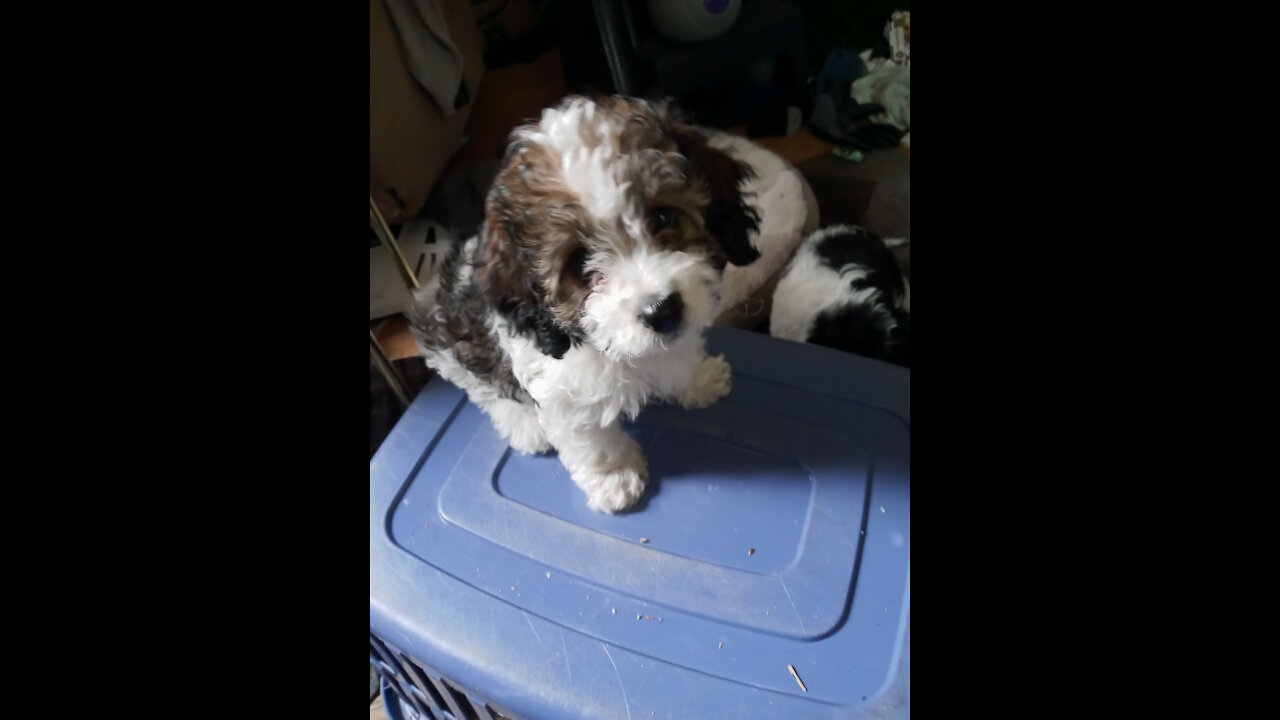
column 711, row 381
column 615, row 490
column 529, row 439
column 518, row 424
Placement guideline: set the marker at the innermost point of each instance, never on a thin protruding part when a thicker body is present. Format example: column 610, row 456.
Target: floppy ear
column 503, row 272
column 498, row 272
column 728, row 217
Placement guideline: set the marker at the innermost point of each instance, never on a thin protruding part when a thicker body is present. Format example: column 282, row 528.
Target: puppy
column 585, row 293
column 845, row 290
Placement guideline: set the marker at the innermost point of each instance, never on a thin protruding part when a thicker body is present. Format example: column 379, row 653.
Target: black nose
column 664, row 315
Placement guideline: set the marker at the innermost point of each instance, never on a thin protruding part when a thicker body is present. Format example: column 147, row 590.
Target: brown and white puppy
column 586, row 292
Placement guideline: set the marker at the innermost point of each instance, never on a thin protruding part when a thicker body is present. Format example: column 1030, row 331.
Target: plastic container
column 397, row 708
column 775, row 532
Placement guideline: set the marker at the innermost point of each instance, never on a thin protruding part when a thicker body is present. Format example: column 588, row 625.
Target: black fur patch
column 551, row 338
column 463, row 329
column 860, row 247
column 856, row 329
column 859, row 329
column 729, row 217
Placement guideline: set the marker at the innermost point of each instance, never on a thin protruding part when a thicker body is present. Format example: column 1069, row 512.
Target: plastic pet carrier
column 764, row 574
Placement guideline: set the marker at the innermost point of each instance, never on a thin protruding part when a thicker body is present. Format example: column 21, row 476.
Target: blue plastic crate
column 397, row 708
column 777, row 528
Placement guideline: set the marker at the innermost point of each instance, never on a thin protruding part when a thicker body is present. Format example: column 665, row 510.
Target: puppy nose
column 664, row 315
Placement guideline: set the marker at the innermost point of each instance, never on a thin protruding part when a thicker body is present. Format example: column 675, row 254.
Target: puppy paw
column 529, row 439
column 617, row 486
column 711, row 381
column 518, row 424
column 616, row 491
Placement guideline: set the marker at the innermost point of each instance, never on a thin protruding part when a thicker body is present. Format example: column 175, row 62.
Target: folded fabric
column 888, row 85
column 432, row 58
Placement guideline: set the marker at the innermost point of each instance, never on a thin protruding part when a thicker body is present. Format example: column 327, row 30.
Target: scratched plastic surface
column 777, row 528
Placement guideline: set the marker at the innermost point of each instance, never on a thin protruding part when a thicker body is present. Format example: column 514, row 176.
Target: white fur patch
column 465, row 269
column 611, row 316
column 587, row 151
column 806, row 290
column 711, row 381
column 518, row 423
column 809, row 287
column 588, row 388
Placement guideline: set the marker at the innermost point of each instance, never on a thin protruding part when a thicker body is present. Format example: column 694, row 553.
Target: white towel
column 432, row 58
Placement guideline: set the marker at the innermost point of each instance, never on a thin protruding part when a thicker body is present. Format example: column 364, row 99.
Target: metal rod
column 389, row 372
column 615, row 39
column 383, row 232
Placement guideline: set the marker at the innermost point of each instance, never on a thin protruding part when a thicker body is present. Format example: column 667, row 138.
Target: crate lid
column 775, row 532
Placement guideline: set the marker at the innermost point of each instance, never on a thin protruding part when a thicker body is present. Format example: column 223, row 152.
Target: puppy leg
column 606, row 464
column 712, row 380
column 518, row 424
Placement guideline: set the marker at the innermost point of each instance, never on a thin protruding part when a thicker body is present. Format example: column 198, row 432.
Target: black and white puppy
column 585, row 294
column 845, row 290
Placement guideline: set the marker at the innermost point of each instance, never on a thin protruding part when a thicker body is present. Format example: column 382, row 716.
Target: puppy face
column 610, row 223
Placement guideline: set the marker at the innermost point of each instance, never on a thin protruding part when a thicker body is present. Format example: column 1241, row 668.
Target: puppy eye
column 577, row 263
column 662, row 218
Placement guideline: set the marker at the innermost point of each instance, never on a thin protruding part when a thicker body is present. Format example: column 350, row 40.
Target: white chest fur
column 587, row 388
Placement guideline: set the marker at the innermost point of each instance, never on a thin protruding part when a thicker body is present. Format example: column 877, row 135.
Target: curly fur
column 605, row 215
column 845, row 290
